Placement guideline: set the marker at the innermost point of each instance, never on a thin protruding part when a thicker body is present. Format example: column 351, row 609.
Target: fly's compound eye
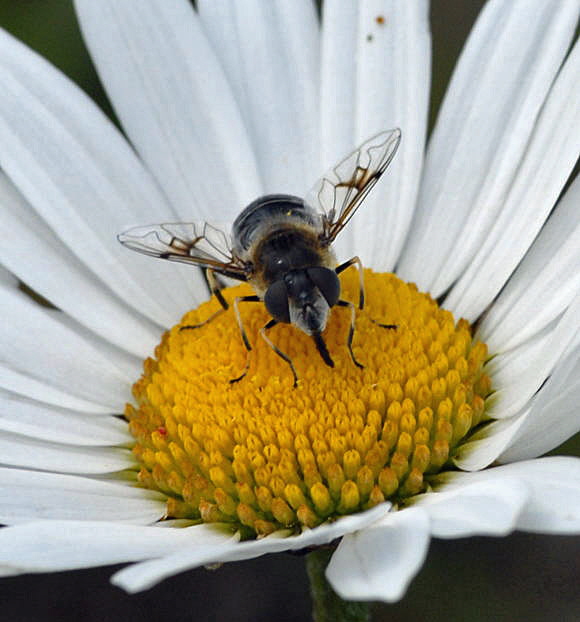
column 276, row 301
column 327, row 282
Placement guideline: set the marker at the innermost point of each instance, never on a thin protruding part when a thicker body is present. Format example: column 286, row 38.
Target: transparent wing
column 342, row 190
column 199, row 244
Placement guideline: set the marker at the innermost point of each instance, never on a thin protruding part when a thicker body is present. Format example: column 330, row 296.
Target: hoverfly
column 281, row 245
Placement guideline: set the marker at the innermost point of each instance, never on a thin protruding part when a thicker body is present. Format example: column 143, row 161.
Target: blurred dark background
column 522, row 577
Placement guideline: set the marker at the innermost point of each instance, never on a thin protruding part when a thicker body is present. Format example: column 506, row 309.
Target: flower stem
column 327, row 605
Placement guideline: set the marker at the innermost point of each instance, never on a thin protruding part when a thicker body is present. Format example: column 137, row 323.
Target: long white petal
column 338, row 102
column 482, row 132
column 35, row 343
column 26, row 453
column 565, row 337
column 174, row 102
column 529, row 424
column 375, row 76
column 31, row 495
column 477, row 509
column 508, row 367
column 554, row 505
column 63, row 545
column 81, row 176
column 544, row 283
column 553, row 416
column 43, row 422
column 22, row 383
column 338, row 79
column 142, row 576
column 483, row 448
column 379, row 562
column 392, row 90
column 553, row 484
column 35, row 254
column 269, row 51
column 549, row 159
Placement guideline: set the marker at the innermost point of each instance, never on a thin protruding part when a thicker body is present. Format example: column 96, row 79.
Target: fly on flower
column 281, row 245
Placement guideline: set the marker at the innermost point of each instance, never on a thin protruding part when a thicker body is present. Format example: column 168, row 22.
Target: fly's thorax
column 285, row 247
column 268, row 213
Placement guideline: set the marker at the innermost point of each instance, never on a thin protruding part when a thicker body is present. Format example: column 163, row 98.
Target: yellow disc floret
column 261, row 454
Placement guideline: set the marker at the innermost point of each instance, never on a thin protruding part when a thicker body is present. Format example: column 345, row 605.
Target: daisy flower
column 107, row 459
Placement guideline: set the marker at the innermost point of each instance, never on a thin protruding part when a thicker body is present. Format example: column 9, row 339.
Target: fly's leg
column 391, row 326
column 361, row 297
column 361, row 278
column 245, row 339
column 215, row 288
column 274, row 347
column 350, row 305
column 237, row 301
column 216, row 291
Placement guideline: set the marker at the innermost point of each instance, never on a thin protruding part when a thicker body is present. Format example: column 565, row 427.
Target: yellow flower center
column 263, row 455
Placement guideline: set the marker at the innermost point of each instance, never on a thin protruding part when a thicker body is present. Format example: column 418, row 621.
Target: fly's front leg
column 361, row 278
column 274, row 347
column 350, row 305
column 215, row 288
column 245, row 339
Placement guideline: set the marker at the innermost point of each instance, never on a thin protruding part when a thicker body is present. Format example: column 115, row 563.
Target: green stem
column 327, row 605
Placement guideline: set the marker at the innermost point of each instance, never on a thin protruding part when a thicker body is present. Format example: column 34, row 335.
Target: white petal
column 553, row 416
column 554, row 506
column 338, row 79
column 269, row 51
column 19, row 451
column 549, row 272
column 549, row 159
column 545, row 419
column 81, row 176
column 63, row 545
column 487, row 444
column 142, row 576
column 392, row 90
column 482, row 132
column 553, row 484
column 508, row 367
column 379, row 562
column 565, row 337
column 375, row 76
column 34, row 343
column 174, row 102
column 476, row 509
column 34, row 253
column 31, row 495
column 43, row 422
column 128, row 365
column 40, row 390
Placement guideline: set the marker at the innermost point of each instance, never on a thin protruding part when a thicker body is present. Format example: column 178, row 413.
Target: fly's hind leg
column 245, row 339
column 216, row 290
column 274, row 347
